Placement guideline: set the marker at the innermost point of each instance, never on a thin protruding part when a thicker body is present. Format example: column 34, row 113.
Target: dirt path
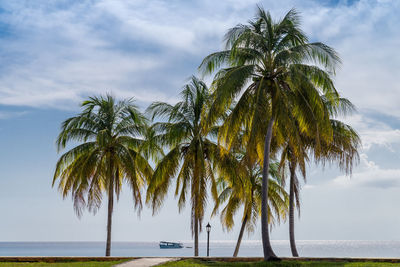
column 145, row 262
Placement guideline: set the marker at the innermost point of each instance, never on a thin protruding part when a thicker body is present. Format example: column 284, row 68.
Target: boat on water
column 165, row 244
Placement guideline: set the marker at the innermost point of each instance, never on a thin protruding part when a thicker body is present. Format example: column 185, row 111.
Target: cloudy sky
column 54, row 54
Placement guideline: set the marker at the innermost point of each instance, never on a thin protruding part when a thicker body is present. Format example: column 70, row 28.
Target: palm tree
column 109, row 133
column 192, row 153
column 245, row 191
column 342, row 151
column 278, row 76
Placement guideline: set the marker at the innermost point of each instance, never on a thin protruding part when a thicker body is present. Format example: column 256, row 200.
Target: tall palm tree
column 192, row 153
column 277, row 74
column 245, row 191
column 343, row 150
column 109, row 135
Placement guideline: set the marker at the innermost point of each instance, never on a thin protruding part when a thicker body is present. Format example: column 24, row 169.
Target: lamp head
column 208, row 227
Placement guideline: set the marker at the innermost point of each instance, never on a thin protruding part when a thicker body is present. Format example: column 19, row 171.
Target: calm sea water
column 309, row 248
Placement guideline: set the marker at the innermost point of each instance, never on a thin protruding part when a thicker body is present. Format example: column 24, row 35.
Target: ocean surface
column 311, row 248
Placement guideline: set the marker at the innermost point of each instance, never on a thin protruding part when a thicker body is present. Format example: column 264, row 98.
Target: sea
column 306, row 248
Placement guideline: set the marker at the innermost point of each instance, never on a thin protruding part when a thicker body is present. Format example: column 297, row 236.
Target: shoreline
column 56, row 259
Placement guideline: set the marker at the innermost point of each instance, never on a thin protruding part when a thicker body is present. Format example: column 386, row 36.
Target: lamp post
column 208, row 228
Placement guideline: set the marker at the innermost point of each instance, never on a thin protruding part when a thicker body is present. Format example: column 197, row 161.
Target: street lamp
column 208, row 228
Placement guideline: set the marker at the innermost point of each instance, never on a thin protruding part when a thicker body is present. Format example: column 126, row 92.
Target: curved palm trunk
column 240, row 236
column 291, row 211
column 269, row 254
column 196, row 237
column 109, row 217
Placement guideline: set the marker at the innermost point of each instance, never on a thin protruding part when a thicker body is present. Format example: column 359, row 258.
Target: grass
column 199, row 263
column 62, row 264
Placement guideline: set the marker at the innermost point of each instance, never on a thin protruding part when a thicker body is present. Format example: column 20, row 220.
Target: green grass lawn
column 198, row 263
column 61, row 264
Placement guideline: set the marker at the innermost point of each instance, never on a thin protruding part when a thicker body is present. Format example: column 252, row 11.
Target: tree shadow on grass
column 209, row 263
column 201, row 263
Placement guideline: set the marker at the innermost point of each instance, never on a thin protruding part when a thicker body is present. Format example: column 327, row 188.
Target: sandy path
column 145, row 262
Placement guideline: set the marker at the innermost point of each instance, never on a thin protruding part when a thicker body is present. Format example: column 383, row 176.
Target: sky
column 54, row 54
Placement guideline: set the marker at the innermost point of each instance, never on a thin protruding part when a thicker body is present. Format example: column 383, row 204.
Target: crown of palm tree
column 109, row 131
column 245, row 191
column 277, row 73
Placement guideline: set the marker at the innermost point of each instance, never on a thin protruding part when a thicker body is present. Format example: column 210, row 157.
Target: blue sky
column 54, row 54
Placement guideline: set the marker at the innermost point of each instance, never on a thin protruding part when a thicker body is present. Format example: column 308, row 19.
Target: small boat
column 165, row 244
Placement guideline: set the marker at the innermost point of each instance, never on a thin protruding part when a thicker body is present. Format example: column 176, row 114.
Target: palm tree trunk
column 109, row 218
column 291, row 210
column 269, row 254
column 196, row 237
column 110, row 210
column 240, row 236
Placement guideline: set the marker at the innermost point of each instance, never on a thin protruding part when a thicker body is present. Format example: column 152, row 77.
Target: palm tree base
column 273, row 258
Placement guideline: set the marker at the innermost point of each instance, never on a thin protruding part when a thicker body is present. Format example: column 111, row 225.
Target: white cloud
column 51, row 81
column 369, row 174
column 56, row 53
column 373, row 131
column 152, row 21
column 367, row 37
column 61, row 58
